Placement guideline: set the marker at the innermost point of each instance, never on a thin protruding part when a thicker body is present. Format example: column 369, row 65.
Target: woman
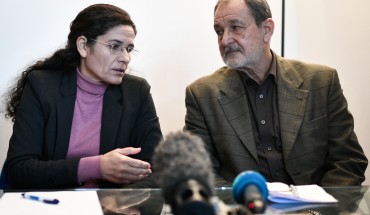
column 79, row 120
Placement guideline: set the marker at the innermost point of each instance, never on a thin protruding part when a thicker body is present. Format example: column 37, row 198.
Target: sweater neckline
column 90, row 86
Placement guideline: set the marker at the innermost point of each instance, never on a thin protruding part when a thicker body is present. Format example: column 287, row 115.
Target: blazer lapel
column 65, row 109
column 112, row 112
column 235, row 106
column 292, row 103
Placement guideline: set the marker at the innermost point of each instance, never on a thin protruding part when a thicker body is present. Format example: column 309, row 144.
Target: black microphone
column 186, row 176
column 250, row 189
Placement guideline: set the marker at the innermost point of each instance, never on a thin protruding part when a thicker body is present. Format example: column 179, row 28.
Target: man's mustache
column 232, row 48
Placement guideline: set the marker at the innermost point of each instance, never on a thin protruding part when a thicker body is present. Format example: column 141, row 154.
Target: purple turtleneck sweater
column 84, row 141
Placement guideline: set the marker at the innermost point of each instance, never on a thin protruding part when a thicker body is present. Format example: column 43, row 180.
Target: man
column 284, row 118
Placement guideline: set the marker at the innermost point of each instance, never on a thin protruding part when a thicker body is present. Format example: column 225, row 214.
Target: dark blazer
column 319, row 144
column 41, row 132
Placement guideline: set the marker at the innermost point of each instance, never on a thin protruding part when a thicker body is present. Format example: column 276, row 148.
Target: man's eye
column 235, row 28
column 219, row 32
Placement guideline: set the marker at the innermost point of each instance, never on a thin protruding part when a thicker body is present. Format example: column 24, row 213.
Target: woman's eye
column 129, row 49
column 115, row 47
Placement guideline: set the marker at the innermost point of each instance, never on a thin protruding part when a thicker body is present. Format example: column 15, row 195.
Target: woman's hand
column 117, row 167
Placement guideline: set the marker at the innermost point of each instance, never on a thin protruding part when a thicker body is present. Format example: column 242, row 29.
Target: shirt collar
column 272, row 71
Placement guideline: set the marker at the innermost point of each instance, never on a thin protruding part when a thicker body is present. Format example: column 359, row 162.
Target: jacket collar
column 292, row 102
column 65, row 109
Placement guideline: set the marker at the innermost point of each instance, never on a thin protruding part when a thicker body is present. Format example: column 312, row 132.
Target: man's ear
column 81, row 44
column 268, row 28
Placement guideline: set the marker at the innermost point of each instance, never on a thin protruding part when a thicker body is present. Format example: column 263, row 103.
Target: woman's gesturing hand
column 117, row 167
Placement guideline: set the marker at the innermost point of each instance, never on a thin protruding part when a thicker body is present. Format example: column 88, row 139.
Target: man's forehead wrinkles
column 234, row 21
column 223, row 22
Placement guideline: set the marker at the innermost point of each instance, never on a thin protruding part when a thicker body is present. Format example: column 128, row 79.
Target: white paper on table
column 70, row 202
column 282, row 193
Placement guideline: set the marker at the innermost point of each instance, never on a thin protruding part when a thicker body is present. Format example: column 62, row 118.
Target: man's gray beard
column 236, row 64
column 244, row 62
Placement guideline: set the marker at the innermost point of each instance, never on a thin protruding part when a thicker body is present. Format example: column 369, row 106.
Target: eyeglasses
column 117, row 49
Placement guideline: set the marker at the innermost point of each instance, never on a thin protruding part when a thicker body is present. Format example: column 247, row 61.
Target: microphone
column 186, row 176
column 250, row 189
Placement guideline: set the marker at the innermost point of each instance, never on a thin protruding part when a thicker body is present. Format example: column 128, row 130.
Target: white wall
column 336, row 33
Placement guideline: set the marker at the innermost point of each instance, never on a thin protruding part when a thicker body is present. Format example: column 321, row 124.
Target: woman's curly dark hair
column 91, row 22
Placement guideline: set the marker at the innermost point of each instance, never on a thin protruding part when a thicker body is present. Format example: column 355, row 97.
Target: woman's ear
column 268, row 27
column 81, row 44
